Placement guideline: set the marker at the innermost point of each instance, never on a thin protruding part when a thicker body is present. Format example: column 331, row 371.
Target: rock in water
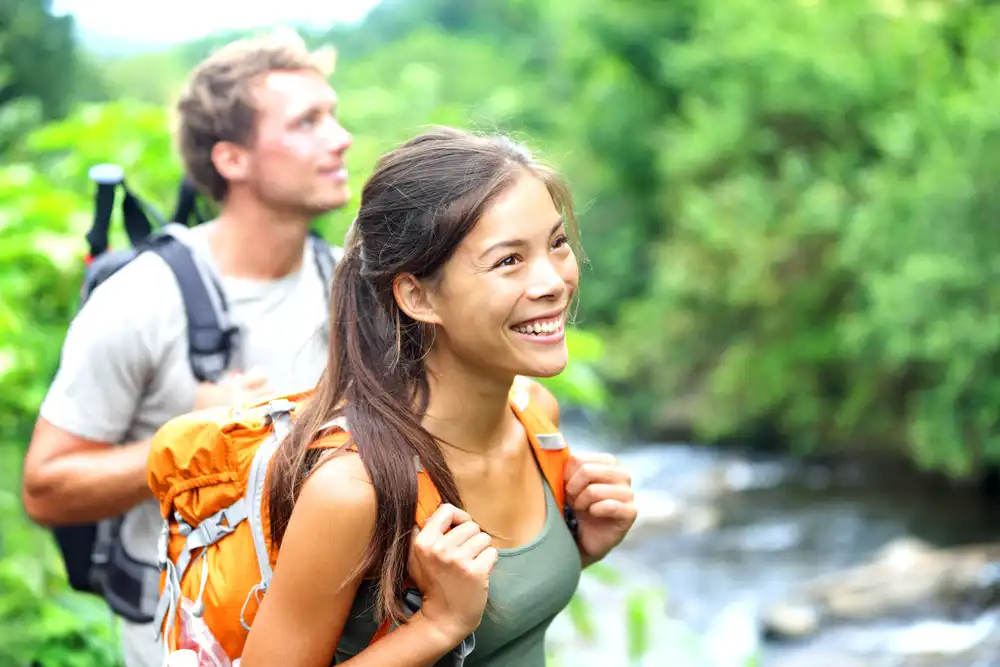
column 790, row 620
column 905, row 578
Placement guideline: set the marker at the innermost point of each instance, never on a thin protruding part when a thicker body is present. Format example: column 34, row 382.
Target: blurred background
column 790, row 319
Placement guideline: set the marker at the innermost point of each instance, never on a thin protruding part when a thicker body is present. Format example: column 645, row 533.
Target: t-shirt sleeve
column 107, row 359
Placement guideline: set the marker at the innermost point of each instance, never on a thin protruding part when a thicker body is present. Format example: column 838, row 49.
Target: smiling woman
column 456, row 285
column 502, row 302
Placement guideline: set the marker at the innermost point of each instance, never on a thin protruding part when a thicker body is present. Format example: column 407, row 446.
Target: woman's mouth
column 548, row 329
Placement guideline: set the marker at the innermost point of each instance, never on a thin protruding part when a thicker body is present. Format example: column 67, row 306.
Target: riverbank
column 724, row 535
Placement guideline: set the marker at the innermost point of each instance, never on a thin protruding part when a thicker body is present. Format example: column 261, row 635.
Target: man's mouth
column 337, row 174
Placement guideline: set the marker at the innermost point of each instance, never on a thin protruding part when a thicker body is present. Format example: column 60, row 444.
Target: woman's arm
column 302, row 616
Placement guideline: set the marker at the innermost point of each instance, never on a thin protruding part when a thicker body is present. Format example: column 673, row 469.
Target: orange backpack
column 208, row 470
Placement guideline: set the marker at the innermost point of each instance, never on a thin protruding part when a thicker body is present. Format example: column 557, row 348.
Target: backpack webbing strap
column 279, row 414
column 187, row 204
column 210, row 335
column 326, row 258
column 137, row 224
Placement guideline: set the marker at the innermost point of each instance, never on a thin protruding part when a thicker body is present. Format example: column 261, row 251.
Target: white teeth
column 547, row 326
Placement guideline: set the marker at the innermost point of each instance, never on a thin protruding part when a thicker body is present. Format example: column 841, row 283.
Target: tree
column 39, row 50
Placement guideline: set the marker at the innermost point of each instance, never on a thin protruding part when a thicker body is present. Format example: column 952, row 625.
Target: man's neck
column 467, row 412
column 248, row 242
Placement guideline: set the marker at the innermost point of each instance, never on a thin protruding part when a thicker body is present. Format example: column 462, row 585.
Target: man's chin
column 328, row 204
column 337, row 200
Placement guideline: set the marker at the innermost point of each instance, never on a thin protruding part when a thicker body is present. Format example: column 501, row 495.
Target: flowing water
column 721, row 534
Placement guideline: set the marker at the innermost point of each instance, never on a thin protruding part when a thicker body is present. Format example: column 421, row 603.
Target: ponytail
column 376, row 379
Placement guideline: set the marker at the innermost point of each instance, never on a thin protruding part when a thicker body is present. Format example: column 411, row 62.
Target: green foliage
column 38, row 285
column 41, row 621
column 39, row 51
column 45, row 210
column 580, row 383
column 786, row 206
column 829, row 268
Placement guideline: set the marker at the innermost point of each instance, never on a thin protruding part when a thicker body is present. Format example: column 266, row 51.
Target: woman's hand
column 450, row 562
column 599, row 490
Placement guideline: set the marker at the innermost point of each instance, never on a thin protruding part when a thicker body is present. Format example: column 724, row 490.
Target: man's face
column 296, row 158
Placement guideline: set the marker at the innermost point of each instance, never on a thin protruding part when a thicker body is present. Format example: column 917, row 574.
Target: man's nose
column 344, row 139
column 338, row 139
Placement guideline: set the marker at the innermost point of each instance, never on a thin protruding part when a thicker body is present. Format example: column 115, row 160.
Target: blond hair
column 217, row 103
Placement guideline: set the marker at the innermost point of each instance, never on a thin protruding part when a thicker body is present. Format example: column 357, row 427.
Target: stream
column 720, row 535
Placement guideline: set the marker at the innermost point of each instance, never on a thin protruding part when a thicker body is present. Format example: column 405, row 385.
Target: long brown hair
column 421, row 201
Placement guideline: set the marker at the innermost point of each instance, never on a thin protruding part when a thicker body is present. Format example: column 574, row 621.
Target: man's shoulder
column 141, row 297
column 145, row 282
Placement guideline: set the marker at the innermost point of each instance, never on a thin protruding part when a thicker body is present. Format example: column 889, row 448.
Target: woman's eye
column 559, row 242
column 509, row 260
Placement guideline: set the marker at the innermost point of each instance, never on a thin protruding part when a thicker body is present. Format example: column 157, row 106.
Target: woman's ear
column 413, row 298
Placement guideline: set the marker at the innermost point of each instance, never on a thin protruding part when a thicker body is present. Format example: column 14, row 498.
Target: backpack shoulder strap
column 326, row 258
column 551, row 452
column 211, row 336
column 547, row 443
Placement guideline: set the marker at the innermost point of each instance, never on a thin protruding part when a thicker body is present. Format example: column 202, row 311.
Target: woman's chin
column 546, row 368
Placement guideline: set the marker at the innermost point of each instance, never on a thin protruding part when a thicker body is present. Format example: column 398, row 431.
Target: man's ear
column 414, row 299
column 231, row 161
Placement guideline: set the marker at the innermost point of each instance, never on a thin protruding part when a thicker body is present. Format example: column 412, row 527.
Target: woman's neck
column 467, row 412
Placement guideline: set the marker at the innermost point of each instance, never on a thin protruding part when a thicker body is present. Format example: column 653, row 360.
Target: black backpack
column 92, row 554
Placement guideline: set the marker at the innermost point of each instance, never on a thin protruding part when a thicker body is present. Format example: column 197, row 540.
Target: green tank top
column 529, row 586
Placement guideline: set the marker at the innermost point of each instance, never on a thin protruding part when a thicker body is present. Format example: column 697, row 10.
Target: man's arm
column 73, row 479
column 78, row 468
column 70, row 479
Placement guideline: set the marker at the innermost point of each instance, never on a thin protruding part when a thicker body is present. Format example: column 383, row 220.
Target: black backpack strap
column 187, row 204
column 326, row 257
column 109, row 177
column 211, row 336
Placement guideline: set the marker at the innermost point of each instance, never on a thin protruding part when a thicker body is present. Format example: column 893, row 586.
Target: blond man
column 258, row 132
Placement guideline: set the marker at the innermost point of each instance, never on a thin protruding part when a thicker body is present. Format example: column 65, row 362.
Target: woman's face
column 503, row 296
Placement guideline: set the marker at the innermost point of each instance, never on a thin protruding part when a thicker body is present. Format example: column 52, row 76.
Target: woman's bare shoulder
column 339, row 482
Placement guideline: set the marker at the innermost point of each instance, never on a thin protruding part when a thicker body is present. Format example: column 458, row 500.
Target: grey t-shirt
column 124, row 369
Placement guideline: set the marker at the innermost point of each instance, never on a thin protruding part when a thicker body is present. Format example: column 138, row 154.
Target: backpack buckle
column 279, row 406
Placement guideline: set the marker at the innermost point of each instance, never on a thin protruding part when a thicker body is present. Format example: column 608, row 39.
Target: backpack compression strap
column 213, row 528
